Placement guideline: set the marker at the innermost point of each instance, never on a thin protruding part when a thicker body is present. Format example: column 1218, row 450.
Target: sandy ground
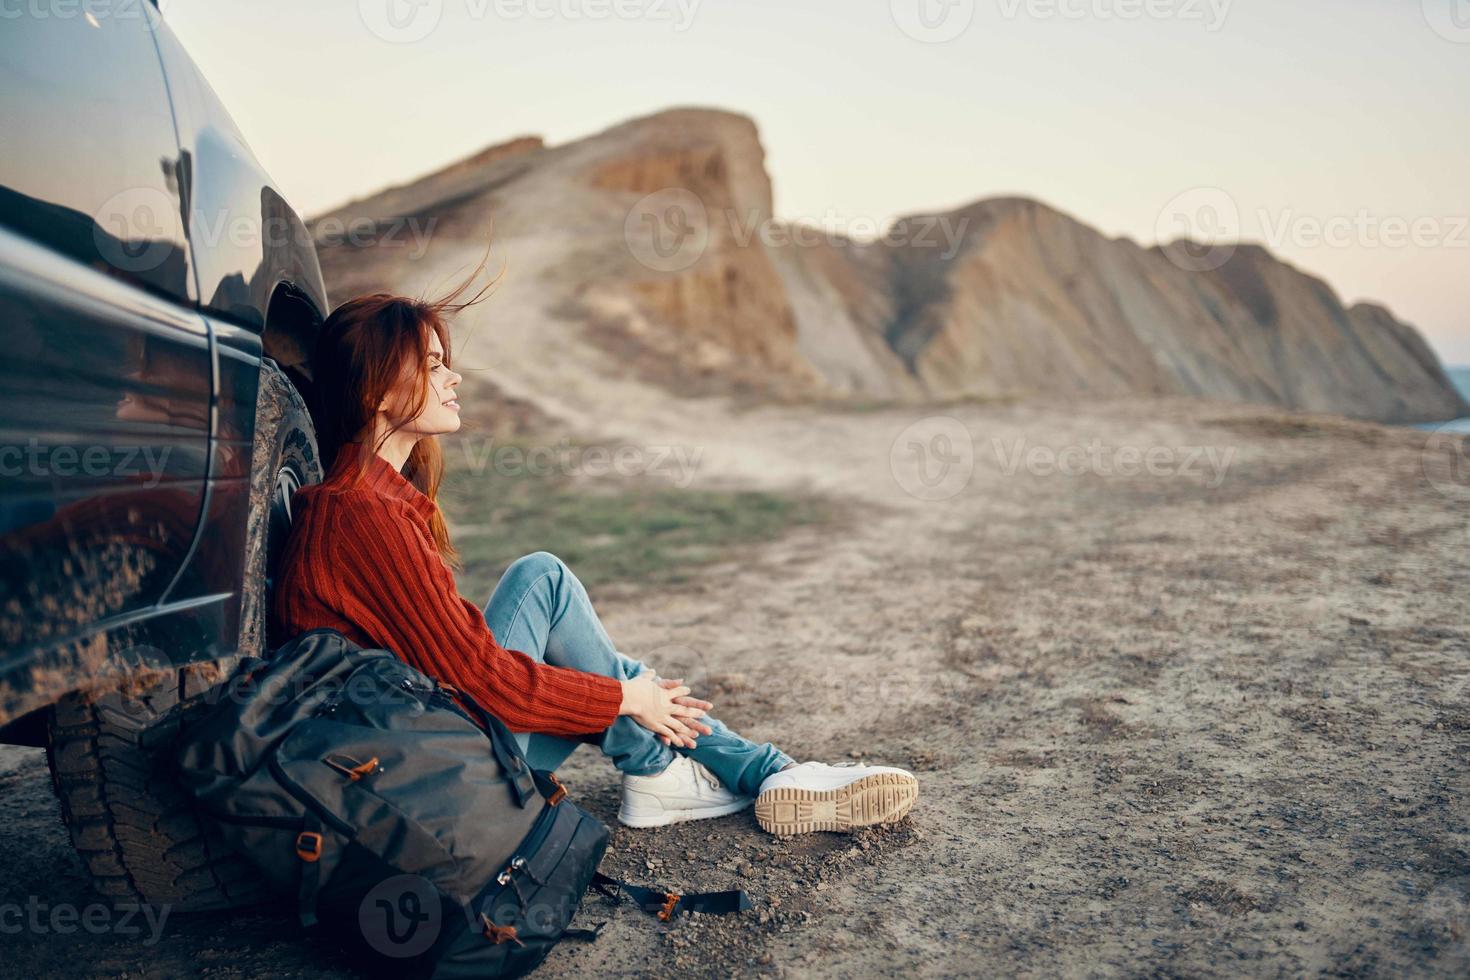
column 1209, row 719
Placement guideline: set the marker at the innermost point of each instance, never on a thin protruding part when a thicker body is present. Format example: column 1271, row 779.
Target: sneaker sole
column 666, row 817
column 882, row 798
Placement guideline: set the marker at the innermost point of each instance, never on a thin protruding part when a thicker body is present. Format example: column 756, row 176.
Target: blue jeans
column 541, row 609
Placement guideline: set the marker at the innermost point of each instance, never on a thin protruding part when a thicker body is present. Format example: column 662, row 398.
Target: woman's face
column 441, row 408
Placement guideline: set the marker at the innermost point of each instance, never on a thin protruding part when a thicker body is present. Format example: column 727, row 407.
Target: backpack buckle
column 357, row 771
column 667, row 912
column 559, row 794
column 309, row 846
column 498, row 934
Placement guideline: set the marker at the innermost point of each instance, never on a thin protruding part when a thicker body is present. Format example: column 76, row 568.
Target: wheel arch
column 292, row 324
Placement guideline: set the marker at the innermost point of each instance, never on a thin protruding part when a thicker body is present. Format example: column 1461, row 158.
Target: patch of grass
column 610, row 530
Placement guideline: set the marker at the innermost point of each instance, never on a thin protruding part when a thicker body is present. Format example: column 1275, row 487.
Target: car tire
column 285, row 459
column 111, row 755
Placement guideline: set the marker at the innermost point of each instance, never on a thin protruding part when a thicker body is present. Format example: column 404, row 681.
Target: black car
column 159, row 299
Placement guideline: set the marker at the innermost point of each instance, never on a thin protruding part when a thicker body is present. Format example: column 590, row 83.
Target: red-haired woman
column 369, row 556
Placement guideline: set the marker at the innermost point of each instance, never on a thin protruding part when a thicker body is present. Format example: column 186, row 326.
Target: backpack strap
column 309, row 852
column 550, row 786
column 586, row 935
column 666, row 905
column 507, row 752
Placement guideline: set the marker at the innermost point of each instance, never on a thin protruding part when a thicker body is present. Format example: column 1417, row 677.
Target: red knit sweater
column 361, row 560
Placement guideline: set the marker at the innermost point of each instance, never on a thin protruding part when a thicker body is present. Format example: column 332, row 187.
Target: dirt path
column 1206, row 720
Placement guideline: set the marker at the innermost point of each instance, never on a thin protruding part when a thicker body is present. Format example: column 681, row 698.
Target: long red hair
column 359, row 359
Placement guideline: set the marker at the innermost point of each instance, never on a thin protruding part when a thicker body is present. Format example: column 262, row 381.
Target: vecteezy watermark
column 400, row 21
column 1364, row 229
column 921, row 232
column 677, row 464
column 408, row 21
column 1445, row 461
column 1211, row 13
column 133, row 231
column 934, row 458
column 670, row 230
column 92, row 11
column 933, row 21
column 403, row 916
column 1206, row 464
column 40, row 918
column 1203, row 227
column 1450, row 19
column 35, row 459
column 1446, row 922
column 137, row 229
column 679, row 662
column 362, row 232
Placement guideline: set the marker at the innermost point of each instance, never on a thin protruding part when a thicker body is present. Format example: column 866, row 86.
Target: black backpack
column 420, row 840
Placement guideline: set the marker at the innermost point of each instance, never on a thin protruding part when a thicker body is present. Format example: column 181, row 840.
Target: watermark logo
column 1446, row 914
column 65, row 461
column 1364, row 229
column 92, row 11
column 1206, row 465
column 1445, row 460
column 362, row 232
column 1450, row 19
column 41, row 918
column 934, row 458
column 401, row 21
column 1203, row 225
column 133, row 229
column 677, row 464
column 401, row 916
column 678, row 12
column 1207, row 223
column 408, row 21
column 676, row 661
column 933, row 21
column 834, row 231
column 1211, row 13
column 669, row 230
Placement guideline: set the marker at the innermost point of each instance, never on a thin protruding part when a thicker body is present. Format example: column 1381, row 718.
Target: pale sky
column 1336, row 131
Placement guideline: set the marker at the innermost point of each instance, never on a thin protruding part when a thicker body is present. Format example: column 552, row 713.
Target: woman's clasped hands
column 665, row 707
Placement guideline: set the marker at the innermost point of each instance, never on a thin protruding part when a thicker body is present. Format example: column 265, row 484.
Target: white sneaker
column 817, row 796
column 685, row 790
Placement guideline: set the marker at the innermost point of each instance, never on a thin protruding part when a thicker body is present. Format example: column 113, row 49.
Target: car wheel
column 133, row 826
column 111, row 755
column 285, row 459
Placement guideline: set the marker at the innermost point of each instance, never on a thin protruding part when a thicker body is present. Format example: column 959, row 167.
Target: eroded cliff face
column 1034, row 300
column 730, row 294
column 1014, row 297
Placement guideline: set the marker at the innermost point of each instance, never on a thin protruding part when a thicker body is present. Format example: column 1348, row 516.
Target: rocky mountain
column 657, row 238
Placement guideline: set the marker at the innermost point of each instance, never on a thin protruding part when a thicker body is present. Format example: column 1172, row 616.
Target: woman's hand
column 689, row 701
column 664, row 707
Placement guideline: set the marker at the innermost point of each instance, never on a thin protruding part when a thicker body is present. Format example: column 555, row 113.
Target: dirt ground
column 1187, row 699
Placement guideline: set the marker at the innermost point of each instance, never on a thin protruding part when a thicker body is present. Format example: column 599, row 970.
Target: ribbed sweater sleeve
column 384, row 571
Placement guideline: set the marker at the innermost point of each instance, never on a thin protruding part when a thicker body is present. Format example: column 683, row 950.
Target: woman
column 369, row 555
